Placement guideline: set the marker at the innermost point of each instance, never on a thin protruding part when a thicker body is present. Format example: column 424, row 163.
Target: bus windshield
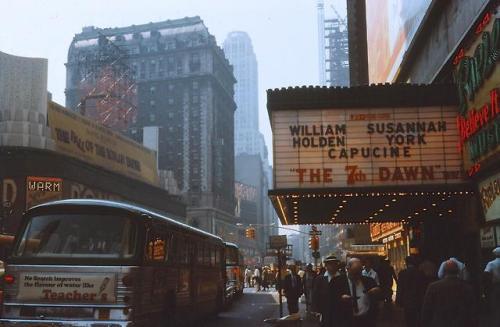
column 78, row 236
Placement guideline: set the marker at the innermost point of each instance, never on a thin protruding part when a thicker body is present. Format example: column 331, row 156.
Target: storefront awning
column 368, row 205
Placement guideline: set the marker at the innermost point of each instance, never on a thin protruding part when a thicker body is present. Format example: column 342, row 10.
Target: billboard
column 79, row 137
column 366, row 147
column 392, row 26
column 477, row 78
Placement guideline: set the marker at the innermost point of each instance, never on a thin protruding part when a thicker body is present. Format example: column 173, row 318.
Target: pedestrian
column 449, row 302
column 308, row 281
column 368, row 271
column 266, row 278
column 248, row 277
column 492, row 287
column 292, row 287
column 429, row 269
column 387, row 276
column 301, row 273
column 355, row 297
column 410, row 292
column 463, row 274
column 257, row 279
column 323, row 296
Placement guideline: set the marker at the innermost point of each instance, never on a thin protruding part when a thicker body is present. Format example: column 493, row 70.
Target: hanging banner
column 366, row 147
column 79, row 137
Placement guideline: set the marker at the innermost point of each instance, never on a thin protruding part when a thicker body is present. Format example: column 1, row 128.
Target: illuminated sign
column 43, row 189
column 382, row 230
column 489, row 195
column 478, row 85
column 366, row 147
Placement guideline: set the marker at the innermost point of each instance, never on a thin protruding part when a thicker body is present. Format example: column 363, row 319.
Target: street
column 250, row 310
column 254, row 307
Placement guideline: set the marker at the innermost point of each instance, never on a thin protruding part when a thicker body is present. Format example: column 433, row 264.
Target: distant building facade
column 23, row 102
column 185, row 88
column 247, row 138
column 251, row 155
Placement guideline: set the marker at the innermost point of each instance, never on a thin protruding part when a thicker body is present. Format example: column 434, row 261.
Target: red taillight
column 9, row 279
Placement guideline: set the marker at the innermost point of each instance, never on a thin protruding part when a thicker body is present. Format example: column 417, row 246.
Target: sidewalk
column 390, row 316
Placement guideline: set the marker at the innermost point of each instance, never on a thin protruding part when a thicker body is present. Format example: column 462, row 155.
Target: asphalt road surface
column 250, row 310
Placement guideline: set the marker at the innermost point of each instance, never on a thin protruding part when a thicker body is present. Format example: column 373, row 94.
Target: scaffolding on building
column 108, row 87
column 333, row 47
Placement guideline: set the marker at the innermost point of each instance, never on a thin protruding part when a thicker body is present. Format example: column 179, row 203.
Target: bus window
column 159, row 245
column 183, row 251
column 217, row 257
column 76, row 236
column 213, row 250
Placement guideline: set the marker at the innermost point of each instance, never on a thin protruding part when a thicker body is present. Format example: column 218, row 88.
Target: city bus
column 234, row 272
column 101, row 263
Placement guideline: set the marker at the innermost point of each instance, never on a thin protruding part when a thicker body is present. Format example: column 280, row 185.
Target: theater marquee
column 366, row 147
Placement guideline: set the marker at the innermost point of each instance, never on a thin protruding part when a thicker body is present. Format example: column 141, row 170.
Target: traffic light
column 314, row 243
column 250, row 233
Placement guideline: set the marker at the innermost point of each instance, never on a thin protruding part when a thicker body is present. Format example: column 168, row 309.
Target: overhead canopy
column 368, row 205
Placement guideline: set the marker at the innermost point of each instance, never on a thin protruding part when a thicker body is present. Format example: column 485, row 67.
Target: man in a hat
column 323, row 296
column 492, row 286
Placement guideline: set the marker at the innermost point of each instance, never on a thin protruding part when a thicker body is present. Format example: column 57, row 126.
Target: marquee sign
column 365, row 147
column 478, row 82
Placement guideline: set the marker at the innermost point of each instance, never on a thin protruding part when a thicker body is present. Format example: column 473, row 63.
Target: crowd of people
column 262, row 278
column 353, row 294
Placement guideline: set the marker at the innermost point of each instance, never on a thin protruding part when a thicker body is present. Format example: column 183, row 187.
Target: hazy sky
column 283, row 32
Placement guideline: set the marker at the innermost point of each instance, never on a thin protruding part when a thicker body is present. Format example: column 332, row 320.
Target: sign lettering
column 355, row 147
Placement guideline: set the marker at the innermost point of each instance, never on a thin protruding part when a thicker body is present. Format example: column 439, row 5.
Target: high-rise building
column 247, row 138
column 184, row 86
column 333, row 46
column 252, row 163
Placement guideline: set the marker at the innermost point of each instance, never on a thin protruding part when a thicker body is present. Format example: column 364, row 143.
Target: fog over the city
column 284, row 33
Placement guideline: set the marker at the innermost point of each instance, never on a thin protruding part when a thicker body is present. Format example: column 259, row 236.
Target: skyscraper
column 252, row 163
column 184, row 101
column 247, row 138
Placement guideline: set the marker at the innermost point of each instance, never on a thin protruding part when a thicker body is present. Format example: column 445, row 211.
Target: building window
column 142, row 72
column 180, row 69
column 195, row 85
column 196, row 98
column 170, row 100
column 170, row 65
column 152, row 103
column 152, row 117
column 152, row 69
column 194, row 62
column 171, row 87
column 161, row 67
column 152, row 90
